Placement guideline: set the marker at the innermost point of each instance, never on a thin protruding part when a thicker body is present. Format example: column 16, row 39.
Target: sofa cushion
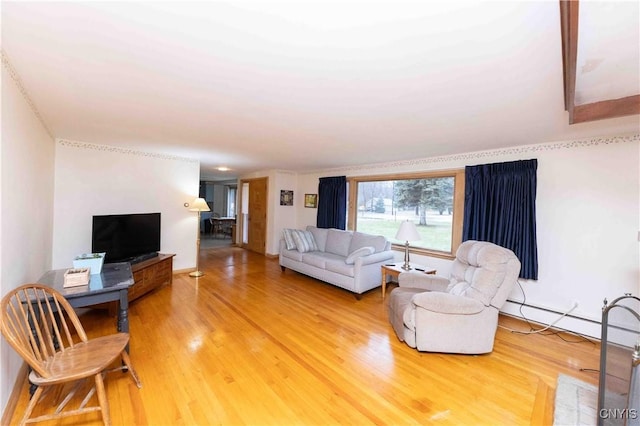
column 338, row 242
column 287, row 234
column 304, row 241
column 359, row 239
column 338, row 266
column 320, row 259
column 292, row 254
column 362, row 251
column 314, row 258
column 320, row 236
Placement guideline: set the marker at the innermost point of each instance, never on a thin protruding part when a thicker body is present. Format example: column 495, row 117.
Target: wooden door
column 257, row 216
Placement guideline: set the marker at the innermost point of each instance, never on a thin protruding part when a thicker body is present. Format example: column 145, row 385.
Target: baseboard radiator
column 545, row 316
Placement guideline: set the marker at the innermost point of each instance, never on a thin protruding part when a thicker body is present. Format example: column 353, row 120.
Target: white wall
column 284, row 216
column 588, row 210
column 27, row 155
column 97, row 180
column 89, row 179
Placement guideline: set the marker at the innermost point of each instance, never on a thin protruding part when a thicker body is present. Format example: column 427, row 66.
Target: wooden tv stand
column 151, row 274
column 147, row 276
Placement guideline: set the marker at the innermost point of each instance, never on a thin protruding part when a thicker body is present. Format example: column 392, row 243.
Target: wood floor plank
column 249, row 344
column 542, row 404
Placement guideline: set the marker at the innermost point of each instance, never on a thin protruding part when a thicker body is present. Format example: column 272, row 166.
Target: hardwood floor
column 248, row 344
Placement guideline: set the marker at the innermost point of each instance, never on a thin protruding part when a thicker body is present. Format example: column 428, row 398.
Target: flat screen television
column 126, row 237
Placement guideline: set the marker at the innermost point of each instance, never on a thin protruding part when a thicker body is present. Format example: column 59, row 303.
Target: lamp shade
column 407, row 231
column 199, row 205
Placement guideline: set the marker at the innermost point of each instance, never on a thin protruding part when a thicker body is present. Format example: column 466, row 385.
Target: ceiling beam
column 569, row 30
column 606, row 109
column 630, row 105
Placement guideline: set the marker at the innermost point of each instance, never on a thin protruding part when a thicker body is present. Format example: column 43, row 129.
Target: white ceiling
column 298, row 85
column 608, row 64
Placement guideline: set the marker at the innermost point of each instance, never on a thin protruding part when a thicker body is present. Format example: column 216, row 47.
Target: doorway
column 221, row 199
column 253, row 216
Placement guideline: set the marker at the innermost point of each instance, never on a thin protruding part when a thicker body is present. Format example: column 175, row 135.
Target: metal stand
column 619, row 382
column 406, row 266
column 197, row 272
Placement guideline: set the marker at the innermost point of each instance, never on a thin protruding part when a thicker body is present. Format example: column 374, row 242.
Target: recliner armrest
column 415, row 279
column 446, row 303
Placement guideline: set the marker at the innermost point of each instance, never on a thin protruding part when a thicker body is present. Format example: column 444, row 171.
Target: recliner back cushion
column 479, row 270
column 359, row 240
column 338, row 242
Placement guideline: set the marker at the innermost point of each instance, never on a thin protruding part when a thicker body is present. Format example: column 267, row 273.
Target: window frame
column 458, row 206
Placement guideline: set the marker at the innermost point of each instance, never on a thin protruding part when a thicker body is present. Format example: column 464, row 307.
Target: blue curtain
column 500, row 207
column 332, row 202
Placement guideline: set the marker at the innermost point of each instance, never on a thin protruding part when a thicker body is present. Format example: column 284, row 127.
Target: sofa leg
column 282, row 268
column 358, row 296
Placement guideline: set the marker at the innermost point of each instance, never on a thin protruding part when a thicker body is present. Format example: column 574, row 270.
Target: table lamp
column 407, row 232
column 199, row 205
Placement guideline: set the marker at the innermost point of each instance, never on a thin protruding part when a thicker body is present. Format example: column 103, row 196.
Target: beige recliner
column 459, row 314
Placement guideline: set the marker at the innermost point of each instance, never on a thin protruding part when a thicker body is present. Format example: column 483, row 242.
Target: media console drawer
column 151, row 274
column 147, row 276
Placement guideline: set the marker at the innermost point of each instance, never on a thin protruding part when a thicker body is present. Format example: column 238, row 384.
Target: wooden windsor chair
column 42, row 327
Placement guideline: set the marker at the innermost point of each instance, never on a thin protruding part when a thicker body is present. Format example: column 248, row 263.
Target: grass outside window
column 433, row 201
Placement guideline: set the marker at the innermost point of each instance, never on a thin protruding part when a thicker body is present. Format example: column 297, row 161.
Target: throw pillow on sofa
column 288, row 238
column 304, row 241
column 362, row 251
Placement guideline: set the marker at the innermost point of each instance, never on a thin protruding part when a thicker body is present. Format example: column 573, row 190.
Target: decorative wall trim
column 477, row 155
column 286, row 172
column 16, row 79
column 120, row 150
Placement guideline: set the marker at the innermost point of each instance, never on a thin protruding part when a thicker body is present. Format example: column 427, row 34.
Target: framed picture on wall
column 286, row 197
column 311, row 200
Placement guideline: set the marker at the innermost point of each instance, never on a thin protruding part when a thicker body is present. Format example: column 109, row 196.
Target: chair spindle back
column 38, row 322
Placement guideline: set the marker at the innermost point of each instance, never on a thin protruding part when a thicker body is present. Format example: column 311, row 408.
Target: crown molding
column 16, row 79
column 119, row 150
column 478, row 155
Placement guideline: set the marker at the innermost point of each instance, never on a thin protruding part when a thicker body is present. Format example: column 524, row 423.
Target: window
column 433, row 201
column 231, row 200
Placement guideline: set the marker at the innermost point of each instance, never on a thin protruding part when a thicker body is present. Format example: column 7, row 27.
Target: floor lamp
column 407, row 232
column 199, row 205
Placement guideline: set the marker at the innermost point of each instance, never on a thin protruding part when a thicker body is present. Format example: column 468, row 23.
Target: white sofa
column 347, row 259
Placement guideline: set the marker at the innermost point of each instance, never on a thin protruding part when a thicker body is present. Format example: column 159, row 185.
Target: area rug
column 576, row 402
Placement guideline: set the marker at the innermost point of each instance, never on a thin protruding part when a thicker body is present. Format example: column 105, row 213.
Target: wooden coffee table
column 394, row 269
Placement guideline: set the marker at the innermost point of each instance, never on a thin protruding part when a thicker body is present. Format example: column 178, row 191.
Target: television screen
column 126, row 237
